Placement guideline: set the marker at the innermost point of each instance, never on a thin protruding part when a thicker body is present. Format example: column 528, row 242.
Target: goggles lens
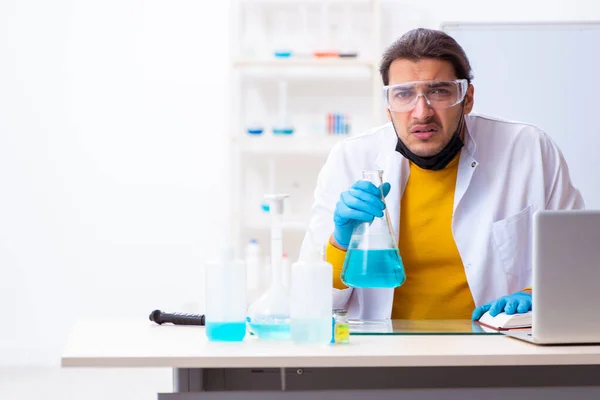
column 438, row 94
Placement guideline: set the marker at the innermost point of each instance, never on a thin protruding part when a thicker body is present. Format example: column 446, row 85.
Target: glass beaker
column 373, row 259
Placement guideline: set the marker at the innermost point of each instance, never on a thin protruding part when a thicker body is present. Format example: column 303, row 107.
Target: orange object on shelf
column 323, row 54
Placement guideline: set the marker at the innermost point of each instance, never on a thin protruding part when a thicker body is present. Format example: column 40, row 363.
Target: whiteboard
column 545, row 74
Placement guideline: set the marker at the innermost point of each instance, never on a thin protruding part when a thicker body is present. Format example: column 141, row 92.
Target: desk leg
column 422, row 383
column 188, row 380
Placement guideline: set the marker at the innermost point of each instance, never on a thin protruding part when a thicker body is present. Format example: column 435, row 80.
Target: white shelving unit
column 312, row 62
column 314, row 86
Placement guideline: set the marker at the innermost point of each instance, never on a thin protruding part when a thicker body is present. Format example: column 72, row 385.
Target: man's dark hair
column 426, row 43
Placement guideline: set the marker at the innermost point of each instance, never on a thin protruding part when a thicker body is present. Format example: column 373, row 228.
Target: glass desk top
column 419, row 327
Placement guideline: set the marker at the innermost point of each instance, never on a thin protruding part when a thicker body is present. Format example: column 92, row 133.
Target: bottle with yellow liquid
column 341, row 328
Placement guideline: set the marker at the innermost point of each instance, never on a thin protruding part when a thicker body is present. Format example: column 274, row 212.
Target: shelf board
column 280, row 2
column 305, row 62
column 308, row 68
column 268, row 143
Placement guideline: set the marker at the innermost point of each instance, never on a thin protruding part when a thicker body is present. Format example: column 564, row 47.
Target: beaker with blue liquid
column 373, row 259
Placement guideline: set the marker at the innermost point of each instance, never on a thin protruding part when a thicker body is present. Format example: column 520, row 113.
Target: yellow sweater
column 436, row 285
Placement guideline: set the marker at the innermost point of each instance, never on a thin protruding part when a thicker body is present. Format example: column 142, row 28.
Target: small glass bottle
column 341, row 329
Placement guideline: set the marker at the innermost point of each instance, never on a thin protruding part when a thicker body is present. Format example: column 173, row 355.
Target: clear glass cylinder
column 373, row 259
column 225, row 300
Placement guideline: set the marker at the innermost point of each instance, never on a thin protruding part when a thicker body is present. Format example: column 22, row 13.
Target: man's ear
column 469, row 99
column 389, row 115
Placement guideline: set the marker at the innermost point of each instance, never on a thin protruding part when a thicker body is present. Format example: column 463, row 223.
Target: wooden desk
column 462, row 365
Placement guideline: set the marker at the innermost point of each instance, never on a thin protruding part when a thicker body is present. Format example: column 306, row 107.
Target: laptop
column 566, row 278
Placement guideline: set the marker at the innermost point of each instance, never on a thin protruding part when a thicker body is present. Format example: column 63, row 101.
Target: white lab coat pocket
column 512, row 237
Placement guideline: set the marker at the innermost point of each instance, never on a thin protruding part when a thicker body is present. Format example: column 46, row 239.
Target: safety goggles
column 403, row 97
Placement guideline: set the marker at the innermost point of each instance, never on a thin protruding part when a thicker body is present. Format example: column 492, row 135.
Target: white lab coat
column 507, row 170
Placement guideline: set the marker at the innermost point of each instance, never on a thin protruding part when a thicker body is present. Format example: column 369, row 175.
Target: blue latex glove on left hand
column 519, row 302
column 361, row 203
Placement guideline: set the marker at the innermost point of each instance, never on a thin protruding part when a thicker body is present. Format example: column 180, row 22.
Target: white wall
column 113, row 122
column 113, row 117
column 408, row 14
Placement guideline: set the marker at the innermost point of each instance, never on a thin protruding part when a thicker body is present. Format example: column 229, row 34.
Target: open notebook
column 505, row 321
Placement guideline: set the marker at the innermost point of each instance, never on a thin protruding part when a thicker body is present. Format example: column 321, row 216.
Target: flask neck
column 377, row 233
column 276, row 273
column 375, row 177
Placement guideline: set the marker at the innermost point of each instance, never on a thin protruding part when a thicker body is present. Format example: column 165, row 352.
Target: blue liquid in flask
column 270, row 327
column 271, row 331
column 380, row 268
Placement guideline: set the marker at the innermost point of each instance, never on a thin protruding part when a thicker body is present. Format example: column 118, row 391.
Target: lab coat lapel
column 466, row 167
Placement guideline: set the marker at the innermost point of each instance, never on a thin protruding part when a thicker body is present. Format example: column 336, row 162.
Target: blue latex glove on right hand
column 361, row 203
column 519, row 302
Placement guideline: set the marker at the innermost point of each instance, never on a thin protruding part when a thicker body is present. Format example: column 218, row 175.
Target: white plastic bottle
column 311, row 301
column 225, row 299
column 255, row 271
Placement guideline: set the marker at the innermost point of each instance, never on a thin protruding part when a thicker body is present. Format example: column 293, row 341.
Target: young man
column 460, row 191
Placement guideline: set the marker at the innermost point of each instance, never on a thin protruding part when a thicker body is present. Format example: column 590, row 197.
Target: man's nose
column 422, row 109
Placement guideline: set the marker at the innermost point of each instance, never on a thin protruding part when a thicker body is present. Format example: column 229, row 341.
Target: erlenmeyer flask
column 373, row 259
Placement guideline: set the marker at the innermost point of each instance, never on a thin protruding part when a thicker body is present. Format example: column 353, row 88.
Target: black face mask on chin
column 438, row 161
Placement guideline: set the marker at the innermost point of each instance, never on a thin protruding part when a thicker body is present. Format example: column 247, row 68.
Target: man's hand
column 519, row 302
column 361, row 203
